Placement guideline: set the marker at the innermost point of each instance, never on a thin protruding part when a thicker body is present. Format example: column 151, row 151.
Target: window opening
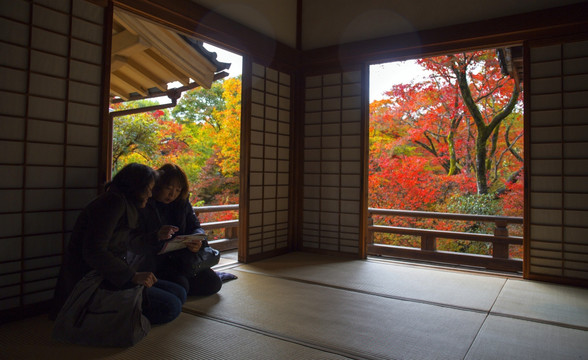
column 446, row 138
column 177, row 100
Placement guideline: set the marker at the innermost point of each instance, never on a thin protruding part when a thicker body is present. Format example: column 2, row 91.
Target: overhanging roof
column 146, row 57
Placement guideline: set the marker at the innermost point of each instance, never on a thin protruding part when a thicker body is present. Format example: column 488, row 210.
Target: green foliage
column 201, row 136
column 200, row 105
column 484, row 204
column 464, row 246
column 135, row 137
column 228, row 144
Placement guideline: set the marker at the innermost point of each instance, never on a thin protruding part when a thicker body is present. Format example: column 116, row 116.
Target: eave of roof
column 146, row 57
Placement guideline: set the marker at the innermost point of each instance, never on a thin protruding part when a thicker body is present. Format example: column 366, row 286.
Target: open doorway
column 446, row 159
column 175, row 99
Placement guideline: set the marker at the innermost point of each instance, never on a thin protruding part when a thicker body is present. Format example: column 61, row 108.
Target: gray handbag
column 96, row 316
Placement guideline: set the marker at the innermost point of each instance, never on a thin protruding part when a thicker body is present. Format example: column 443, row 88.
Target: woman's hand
column 194, row 246
column 144, row 278
column 166, row 232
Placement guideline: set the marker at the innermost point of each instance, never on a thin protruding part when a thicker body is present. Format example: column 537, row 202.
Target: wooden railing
column 500, row 240
column 231, row 234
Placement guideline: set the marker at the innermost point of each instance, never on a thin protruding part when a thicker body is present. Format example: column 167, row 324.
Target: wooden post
column 501, row 228
column 428, row 243
column 370, row 232
column 231, row 233
column 500, row 251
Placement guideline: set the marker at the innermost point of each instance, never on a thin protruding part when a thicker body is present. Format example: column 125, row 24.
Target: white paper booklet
column 180, row 241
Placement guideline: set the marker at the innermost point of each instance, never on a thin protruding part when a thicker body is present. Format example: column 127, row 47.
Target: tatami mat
column 309, row 306
column 351, row 323
column 450, row 288
column 513, row 339
column 187, row 337
column 545, row 302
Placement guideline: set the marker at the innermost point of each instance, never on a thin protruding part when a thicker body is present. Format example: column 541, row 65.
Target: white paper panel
column 46, row 131
column 269, row 141
column 558, row 138
column 43, row 199
column 12, row 128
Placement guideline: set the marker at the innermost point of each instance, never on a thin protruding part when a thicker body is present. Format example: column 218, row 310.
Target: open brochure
column 180, row 241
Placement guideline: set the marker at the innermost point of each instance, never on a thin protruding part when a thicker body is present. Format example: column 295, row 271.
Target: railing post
column 370, row 232
column 231, row 233
column 500, row 228
column 500, row 251
column 428, row 243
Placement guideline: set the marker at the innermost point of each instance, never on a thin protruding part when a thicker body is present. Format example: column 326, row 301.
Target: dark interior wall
column 51, row 102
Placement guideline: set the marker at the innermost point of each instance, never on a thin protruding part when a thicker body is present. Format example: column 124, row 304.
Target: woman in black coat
column 101, row 238
column 168, row 214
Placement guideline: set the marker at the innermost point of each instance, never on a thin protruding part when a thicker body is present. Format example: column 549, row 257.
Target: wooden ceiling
column 315, row 24
column 146, row 57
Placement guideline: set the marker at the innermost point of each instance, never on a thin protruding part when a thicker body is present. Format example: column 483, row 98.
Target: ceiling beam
column 130, row 81
column 125, row 43
column 160, row 83
column 117, row 91
column 117, row 62
column 181, row 77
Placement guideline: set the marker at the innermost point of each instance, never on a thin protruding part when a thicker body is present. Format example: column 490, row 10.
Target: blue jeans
column 205, row 283
column 163, row 302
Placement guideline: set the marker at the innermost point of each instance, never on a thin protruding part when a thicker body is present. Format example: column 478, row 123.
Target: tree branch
column 506, row 111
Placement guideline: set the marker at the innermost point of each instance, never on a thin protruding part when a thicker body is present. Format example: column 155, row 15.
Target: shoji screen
column 332, row 162
column 558, row 138
column 269, row 161
column 51, row 71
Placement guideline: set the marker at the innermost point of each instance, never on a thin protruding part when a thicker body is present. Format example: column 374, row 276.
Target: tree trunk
column 484, row 131
column 453, row 169
column 481, row 180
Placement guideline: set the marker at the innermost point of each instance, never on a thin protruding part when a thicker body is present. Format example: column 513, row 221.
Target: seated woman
column 168, row 214
column 100, row 241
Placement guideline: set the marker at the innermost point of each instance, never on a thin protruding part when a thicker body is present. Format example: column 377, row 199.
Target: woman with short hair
column 168, row 214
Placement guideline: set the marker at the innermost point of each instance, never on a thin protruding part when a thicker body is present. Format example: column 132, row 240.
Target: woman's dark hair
column 169, row 173
column 132, row 180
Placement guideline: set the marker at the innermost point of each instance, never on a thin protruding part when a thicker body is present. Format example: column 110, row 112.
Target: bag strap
column 96, row 278
column 146, row 300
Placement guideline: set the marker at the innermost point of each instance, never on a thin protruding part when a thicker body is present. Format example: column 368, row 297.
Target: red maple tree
column 457, row 133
